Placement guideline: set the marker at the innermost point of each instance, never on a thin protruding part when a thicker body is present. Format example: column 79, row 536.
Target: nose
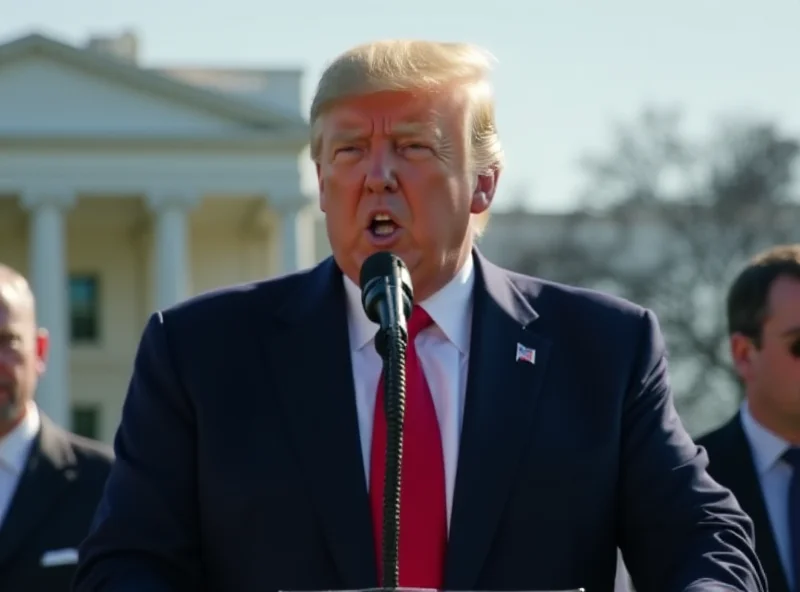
column 381, row 177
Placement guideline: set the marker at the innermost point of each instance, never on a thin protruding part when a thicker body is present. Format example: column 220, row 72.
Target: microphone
column 387, row 297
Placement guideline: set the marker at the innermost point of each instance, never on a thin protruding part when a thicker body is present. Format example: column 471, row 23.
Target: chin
column 409, row 257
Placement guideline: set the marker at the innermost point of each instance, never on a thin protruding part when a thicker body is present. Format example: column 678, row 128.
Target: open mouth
column 382, row 227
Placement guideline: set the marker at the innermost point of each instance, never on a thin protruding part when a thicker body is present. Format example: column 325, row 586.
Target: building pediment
column 51, row 89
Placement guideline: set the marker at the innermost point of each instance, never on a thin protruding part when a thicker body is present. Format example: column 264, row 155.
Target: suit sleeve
column 679, row 529
column 145, row 534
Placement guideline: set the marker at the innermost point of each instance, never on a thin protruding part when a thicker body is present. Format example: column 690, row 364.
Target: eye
column 416, row 149
column 794, row 348
column 346, row 152
column 9, row 340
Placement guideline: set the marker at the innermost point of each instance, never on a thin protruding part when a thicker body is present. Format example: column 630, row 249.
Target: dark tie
column 423, row 514
column 792, row 456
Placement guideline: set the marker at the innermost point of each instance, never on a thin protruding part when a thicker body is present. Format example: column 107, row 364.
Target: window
column 84, row 308
column 86, row 421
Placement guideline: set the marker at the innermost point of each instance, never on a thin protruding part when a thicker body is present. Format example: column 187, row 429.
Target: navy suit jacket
column 732, row 464
column 239, row 464
column 51, row 509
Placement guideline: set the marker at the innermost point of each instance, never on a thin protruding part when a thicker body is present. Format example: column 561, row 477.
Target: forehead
column 784, row 301
column 16, row 307
column 395, row 112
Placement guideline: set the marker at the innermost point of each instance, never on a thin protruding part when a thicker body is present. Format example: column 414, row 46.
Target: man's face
column 403, row 157
column 22, row 353
column 772, row 372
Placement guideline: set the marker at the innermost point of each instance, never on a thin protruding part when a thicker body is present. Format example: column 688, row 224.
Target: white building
column 123, row 189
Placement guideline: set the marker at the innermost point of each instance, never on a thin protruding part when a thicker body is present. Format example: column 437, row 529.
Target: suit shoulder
column 90, row 455
column 231, row 306
column 716, row 439
column 607, row 329
column 585, row 302
column 88, row 451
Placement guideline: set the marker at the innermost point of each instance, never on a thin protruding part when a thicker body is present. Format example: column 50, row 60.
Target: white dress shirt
column 14, row 450
column 443, row 350
column 774, row 475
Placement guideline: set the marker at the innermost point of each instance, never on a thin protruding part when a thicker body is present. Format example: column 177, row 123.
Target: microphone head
column 382, row 274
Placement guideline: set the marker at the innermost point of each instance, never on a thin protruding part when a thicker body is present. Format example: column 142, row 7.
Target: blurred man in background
column 757, row 453
column 50, row 480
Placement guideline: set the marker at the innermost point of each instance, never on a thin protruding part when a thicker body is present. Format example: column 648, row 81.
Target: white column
column 49, row 281
column 173, row 259
column 297, row 233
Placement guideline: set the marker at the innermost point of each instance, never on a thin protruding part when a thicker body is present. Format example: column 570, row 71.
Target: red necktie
column 423, row 514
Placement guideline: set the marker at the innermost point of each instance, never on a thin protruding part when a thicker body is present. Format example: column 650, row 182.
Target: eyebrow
column 417, row 129
column 400, row 130
column 348, row 135
column 791, row 331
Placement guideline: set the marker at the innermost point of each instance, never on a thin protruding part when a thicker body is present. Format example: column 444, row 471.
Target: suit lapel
column 308, row 353
column 743, row 479
column 50, row 469
column 500, row 401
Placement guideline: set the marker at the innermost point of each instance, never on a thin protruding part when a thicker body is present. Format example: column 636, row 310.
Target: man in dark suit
column 540, row 430
column 50, row 480
column 752, row 453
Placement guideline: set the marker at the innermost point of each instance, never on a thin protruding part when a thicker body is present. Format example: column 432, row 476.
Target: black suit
column 731, row 463
column 51, row 510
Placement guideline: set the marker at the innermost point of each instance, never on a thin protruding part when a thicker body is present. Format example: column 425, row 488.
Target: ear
column 320, row 187
column 743, row 352
column 483, row 194
column 42, row 349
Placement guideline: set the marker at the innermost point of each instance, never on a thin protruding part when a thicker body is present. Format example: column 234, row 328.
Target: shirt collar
column 15, row 446
column 450, row 308
column 767, row 447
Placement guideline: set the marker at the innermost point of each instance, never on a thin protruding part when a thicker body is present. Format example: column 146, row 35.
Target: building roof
column 155, row 83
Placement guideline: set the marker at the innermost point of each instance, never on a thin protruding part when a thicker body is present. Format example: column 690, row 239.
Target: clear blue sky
column 567, row 68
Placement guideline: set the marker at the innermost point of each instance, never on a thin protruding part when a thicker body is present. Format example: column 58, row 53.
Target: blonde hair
column 397, row 65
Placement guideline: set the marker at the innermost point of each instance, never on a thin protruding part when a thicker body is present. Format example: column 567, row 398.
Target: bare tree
column 668, row 222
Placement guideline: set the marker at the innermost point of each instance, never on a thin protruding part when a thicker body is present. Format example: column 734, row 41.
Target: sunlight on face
column 404, row 157
column 20, row 362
